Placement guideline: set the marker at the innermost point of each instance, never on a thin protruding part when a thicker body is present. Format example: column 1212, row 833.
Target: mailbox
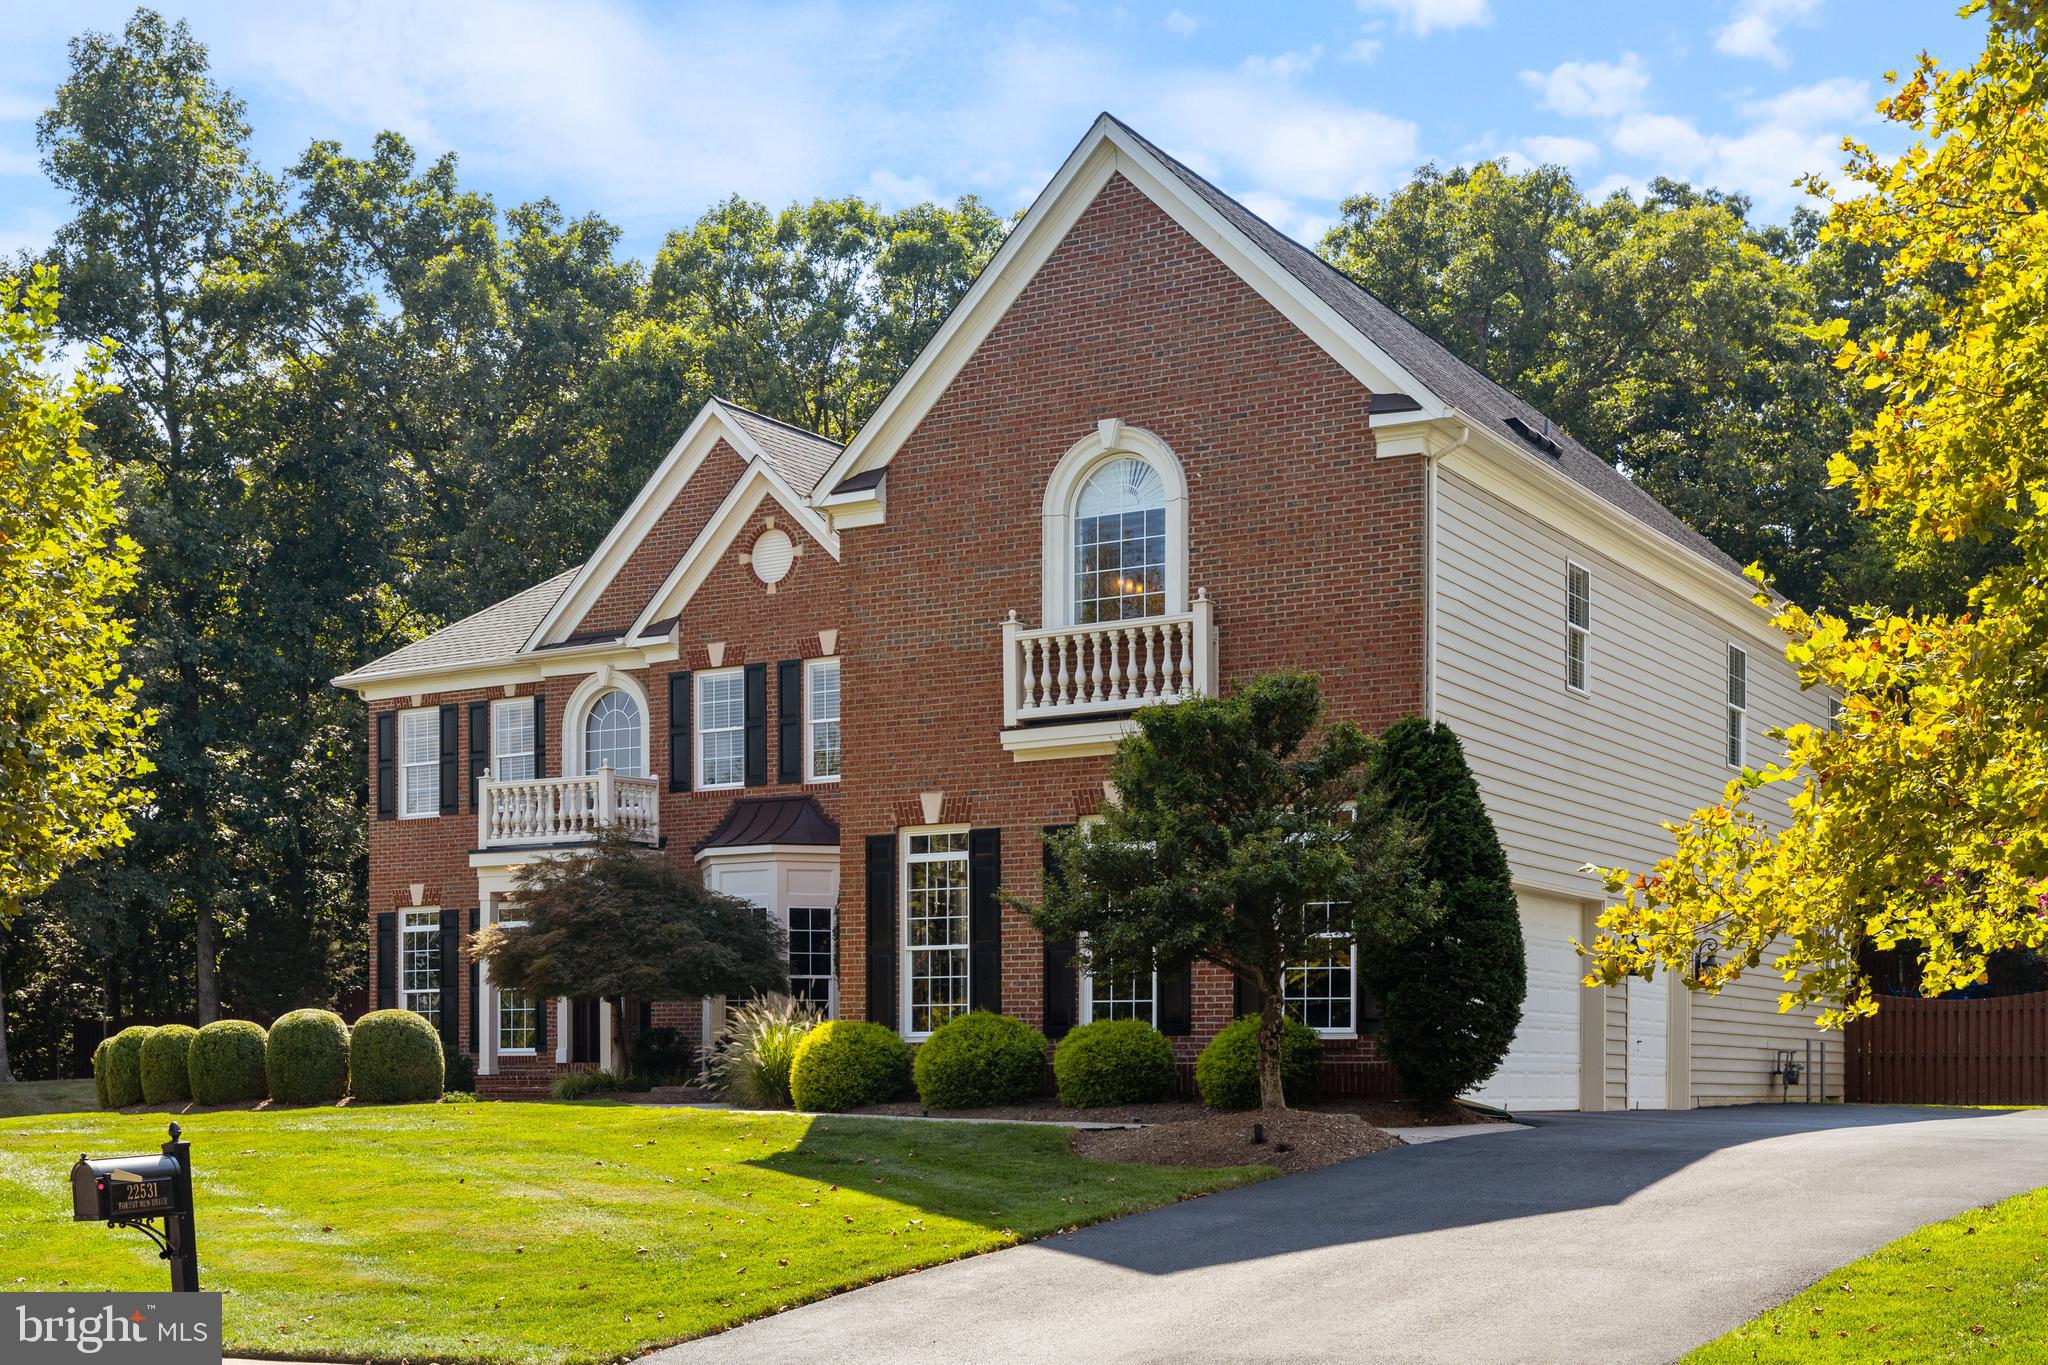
column 120, row 1187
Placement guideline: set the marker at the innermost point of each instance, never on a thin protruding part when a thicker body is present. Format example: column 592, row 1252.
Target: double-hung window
column 721, row 729
column 419, row 763
column 934, row 928
column 512, row 740
column 1738, row 702
column 1132, row 996
column 821, row 720
column 1322, row 992
column 1578, row 627
column 518, row 1012
column 810, row 954
column 419, row 964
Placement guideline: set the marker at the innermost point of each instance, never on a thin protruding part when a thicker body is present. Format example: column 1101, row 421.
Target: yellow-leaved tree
column 1920, row 821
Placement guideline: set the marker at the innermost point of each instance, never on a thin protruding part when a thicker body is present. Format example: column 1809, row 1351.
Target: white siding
column 1736, row 1036
column 1575, row 778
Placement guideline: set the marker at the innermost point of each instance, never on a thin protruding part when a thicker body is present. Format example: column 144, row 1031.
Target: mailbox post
column 131, row 1191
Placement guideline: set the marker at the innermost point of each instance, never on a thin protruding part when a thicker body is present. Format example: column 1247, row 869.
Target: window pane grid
column 419, row 965
column 1122, row 997
column 512, row 740
column 1578, row 625
column 935, row 927
column 419, row 760
column 611, row 736
column 1320, row 991
column 822, row 718
column 1120, row 544
column 810, row 954
column 1738, row 703
column 721, row 729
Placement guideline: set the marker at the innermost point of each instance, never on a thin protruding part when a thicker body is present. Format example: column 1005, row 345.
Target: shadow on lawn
column 1565, row 1162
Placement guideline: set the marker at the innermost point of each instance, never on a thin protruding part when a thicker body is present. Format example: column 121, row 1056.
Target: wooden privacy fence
column 1916, row 1051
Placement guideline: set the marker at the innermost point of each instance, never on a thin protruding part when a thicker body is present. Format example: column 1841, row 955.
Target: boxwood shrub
column 1227, row 1072
column 980, row 1058
column 662, row 1055
column 845, row 1064
column 165, row 1079
column 124, row 1066
column 394, row 1057
column 1113, row 1061
column 306, row 1058
column 225, row 1063
column 99, row 1073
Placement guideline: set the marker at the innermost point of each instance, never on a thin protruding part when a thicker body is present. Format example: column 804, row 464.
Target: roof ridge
column 725, row 402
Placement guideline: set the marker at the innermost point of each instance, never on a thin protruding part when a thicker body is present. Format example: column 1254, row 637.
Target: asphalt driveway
column 1589, row 1237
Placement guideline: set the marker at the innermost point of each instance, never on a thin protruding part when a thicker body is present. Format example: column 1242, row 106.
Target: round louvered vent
column 772, row 555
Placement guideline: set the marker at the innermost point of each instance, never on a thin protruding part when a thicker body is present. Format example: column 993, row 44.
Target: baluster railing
column 565, row 810
column 1113, row 666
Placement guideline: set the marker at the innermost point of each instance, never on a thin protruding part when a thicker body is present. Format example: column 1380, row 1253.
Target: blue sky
column 648, row 113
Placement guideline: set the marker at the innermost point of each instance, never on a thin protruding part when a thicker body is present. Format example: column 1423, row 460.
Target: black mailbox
column 118, row 1187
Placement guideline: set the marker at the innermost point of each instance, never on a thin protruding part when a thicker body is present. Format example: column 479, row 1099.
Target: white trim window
column 1135, row 996
column 1120, row 543
column 419, row 763
column 1323, row 992
column 934, row 928
column 1738, row 704
column 810, row 955
column 512, row 740
column 1578, row 627
column 821, row 720
column 518, row 1014
column 614, row 735
column 721, row 729
column 419, row 964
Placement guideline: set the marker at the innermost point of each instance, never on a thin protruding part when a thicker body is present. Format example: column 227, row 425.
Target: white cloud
column 1181, row 24
column 1284, row 66
column 1560, row 151
column 1591, row 89
column 1422, row 17
column 1277, row 139
column 1672, row 143
column 14, row 161
column 1836, row 102
column 1762, row 161
column 893, row 191
column 19, row 107
column 1753, row 32
column 1364, row 50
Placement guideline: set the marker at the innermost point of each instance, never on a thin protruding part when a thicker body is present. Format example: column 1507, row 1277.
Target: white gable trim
column 759, row 484
column 668, row 480
column 1107, row 150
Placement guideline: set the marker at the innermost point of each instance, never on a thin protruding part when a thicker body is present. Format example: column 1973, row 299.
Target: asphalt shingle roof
column 1448, row 377
column 499, row 631
column 799, row 456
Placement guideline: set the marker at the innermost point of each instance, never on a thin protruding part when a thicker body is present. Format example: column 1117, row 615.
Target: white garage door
column 1542, row 1068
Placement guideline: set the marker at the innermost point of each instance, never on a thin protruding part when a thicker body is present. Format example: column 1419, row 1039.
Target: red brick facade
column 1310, row 547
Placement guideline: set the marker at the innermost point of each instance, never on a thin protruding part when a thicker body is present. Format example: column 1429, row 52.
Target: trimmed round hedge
column 99, row 1073
column 394, row 1057
column 164, row 1076
column 1113, row 1061
column 306, row 1058
column 980, row 1058
column 845, row 1064
column 124, row 1066
column 225, row 1063
column 1227, row 1072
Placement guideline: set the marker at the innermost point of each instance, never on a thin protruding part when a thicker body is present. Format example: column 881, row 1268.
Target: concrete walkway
column 1596, row 1237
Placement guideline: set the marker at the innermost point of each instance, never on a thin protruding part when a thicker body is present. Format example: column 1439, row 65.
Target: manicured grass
column 1975, row 1286
column 549, row 1232
column 46, row 1097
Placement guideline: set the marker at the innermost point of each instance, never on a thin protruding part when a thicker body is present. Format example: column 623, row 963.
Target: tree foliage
column 1245, row 834
column 1922, row 820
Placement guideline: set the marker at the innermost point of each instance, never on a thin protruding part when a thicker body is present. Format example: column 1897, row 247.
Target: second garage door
column 1542, row 1067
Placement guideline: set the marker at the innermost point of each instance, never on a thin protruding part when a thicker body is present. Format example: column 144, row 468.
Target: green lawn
column 46, row 1097
column 549, row 1232
column 1973, row 1287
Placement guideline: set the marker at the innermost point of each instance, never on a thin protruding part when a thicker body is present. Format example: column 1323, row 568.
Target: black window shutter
column 1368, row 1009
column 387, row 765
column 451, row 758
column 479, row 745
column 1177, row 1001
column 451, row 980
column 680, row 703
column 1062, row 982
column 789, row 721
column 540, row 735
column 387, row 960
column 1245, row 998
column 882, row 930
column 475, row 984
column 541, row 1010
column 984, row 920
column 757, row 724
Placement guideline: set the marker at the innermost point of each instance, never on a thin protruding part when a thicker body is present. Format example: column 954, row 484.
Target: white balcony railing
column 1057, row 672
column 565, row 810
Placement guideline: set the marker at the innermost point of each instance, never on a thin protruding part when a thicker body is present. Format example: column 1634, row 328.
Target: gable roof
column 497, row 632
column 800, row 456
column 1458, row 384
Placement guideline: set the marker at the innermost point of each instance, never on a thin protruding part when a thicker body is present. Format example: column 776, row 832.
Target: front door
column 583, row 1028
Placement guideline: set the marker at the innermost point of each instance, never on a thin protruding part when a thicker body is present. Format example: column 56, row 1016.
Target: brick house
column 1158, row 446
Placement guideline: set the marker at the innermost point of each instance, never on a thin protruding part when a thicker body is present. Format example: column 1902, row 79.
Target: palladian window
column 612, row 736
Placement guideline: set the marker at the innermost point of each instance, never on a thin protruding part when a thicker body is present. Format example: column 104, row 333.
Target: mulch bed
column 1051, row 1110
column 1295, row 1140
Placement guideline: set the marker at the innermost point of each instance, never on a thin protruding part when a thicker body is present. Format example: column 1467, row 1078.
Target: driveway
column 1588, row 1237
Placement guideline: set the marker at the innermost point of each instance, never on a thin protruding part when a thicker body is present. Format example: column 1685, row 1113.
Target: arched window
column 612, row 736
column 1120, row 543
